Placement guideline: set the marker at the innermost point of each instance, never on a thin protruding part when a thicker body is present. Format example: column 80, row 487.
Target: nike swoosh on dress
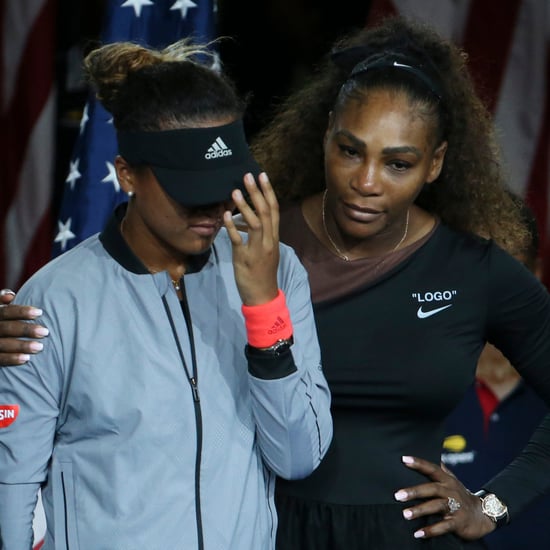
column 423, row 314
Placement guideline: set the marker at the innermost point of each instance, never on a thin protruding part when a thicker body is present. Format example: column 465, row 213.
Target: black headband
column 360, row 59
column 394, row 63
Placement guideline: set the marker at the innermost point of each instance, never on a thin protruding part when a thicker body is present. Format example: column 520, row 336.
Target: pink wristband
column 267, row 323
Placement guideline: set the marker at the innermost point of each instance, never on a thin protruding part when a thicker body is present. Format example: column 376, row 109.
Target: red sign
column 8, row 414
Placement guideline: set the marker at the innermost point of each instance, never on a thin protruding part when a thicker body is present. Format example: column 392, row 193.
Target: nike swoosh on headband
column 423, row 314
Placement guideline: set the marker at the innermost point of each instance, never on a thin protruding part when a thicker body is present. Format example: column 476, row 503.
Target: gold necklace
column 176, row 283
column 337, row 250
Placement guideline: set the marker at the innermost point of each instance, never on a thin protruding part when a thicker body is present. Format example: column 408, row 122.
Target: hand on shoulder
column 18, row 339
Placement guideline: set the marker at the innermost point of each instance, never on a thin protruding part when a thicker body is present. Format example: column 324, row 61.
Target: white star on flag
column 183, row 6
column 64, row 233
column 74, row 174
column 111, row 176
column 137, row 5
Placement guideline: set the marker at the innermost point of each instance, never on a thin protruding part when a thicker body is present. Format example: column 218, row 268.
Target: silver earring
column 130, row 194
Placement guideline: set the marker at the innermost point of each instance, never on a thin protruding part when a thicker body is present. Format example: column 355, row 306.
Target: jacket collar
column 116, row 246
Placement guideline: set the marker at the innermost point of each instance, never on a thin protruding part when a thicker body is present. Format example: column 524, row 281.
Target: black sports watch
column 278, row 348
column 493, row 508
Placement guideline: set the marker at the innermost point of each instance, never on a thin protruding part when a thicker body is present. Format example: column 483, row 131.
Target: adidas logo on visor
column 218, row 149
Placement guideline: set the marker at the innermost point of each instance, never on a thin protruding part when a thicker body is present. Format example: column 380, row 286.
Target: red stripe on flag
column 34, row 85
column 39, row 250
column 4, row 136
column 32, row 89
column 487, row 39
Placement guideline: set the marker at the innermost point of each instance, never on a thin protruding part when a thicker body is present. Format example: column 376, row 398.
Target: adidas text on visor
column 195, row 166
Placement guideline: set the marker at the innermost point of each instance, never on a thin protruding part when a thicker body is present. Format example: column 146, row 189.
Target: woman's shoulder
column 447, row 235
column 65, row 276
column 469, row 249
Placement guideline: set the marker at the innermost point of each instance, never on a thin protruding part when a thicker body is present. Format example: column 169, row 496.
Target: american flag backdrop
column 27, row 100
column 508, row 44
column 91, row 189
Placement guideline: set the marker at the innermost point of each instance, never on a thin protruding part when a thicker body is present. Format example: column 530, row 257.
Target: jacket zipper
column 193, row 383
column 65, row 511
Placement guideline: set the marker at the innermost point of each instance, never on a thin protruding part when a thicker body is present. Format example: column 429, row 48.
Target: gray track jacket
column 147, row 431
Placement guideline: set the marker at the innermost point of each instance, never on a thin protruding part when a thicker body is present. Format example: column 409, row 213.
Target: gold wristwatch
column 493, row 508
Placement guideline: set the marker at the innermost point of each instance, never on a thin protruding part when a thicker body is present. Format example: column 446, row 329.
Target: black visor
column 195, row 166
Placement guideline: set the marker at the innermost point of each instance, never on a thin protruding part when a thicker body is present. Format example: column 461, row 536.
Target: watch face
column 493, row 507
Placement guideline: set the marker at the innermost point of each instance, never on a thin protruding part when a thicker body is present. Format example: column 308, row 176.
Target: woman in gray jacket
column 182, row 371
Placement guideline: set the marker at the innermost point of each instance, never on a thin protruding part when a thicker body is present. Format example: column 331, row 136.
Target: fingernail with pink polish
column 36, row 346
column 407, row 459
column 419, row 534
column 400, row 495
column 7, row 291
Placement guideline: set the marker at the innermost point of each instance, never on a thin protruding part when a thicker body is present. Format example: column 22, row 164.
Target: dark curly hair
column 470, row 193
